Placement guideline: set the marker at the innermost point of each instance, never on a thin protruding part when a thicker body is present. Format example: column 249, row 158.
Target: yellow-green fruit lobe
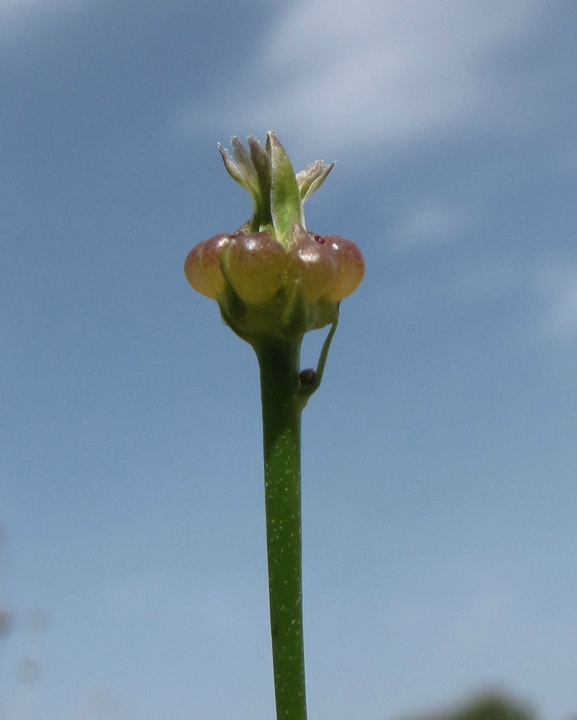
column 254, row 266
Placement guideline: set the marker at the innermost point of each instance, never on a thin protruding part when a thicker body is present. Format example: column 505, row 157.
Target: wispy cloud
column 176, row 606
column 15, row 14
column 430, row 222
column 558, row 284
column 464, row 625
column 550, row 286
column 100, row 703
column 344, row 74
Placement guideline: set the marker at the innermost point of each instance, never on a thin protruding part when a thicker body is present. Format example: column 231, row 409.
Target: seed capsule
column 351, row 267
column 254, row 265
column 202, row 266
column 312, row 265
column 271, row 277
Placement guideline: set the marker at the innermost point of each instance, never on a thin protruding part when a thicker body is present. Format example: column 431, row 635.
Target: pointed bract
column 285, row 199
column 262, row 165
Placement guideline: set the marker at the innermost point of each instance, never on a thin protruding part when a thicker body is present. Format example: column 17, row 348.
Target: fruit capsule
column 350, row 264
column 202, row 266
column 254, row 265
column 312, row 265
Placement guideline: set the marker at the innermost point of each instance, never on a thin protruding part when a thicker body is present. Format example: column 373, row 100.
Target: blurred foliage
column 492, row 706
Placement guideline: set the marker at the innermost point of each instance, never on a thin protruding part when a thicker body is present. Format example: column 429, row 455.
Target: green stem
column 281, row 410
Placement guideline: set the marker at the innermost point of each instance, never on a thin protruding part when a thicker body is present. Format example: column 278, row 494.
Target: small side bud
column 307, row 377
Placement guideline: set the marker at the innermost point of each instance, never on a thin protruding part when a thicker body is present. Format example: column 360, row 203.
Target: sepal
column 285, row 198
column 312, row 177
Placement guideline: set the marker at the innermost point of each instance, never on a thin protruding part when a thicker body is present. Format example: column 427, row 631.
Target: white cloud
column 16, row 14
column 430, row 222
column 176, row 606
column 99, row 704
column 550, row 284
column 344, row 73
column 558, row 282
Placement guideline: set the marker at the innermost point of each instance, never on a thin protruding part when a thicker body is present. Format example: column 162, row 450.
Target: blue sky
column 440, row 462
